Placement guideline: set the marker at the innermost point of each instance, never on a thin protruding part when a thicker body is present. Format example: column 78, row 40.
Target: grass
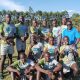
column 7, row 75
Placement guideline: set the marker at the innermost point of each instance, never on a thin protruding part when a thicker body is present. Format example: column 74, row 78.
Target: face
column 34, row 23
column 51, row 41
column 65, row 40
column 21, row 19
column 54, row 23
column 8, row 18
column 69, row 25
column 64, row 21
column 23, row 58
column 47, row 56
column 44, row 23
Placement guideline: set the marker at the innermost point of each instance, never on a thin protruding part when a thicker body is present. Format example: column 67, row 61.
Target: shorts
column 66, row 67
column 70, row 63
column 20, row 45
column 7, row 49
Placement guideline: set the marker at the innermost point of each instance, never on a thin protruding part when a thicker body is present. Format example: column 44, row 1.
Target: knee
column 3, row 59
column 76, row 70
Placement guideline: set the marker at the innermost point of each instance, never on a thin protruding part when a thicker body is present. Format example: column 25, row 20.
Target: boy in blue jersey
column 22, row 35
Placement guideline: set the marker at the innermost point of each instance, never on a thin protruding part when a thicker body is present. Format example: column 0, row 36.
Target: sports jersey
column 72, row 34
column 56, row 31
column 33, row 30
column 63, row 27
column 45, row 31
column 8, row 30
column 37, row 50
column 21, row 29
column 19, row 65
column 68, row 55
column 50, row 48
column 50, row 65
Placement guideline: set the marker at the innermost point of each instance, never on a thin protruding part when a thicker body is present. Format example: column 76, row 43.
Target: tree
column 75, row 15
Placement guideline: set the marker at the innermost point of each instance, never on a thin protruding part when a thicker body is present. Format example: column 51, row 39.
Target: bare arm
column 38, row 68
column 57, row 68
column 11, row 69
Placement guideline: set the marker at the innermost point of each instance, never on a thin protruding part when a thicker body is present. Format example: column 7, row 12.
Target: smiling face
column 63, row 21
column 44, row 23
column 66, row 40
column 69, row 25
column 22, row 57
column 34, row 23
column 47, row 56
column 51, row 40
column 54, row 23
column 21, row 19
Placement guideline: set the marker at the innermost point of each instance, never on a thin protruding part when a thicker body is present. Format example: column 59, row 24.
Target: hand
column 56, row 50
column 22, row 38
column 17, row 72
column 49, row 73
column 25, row 38
column 27, row 71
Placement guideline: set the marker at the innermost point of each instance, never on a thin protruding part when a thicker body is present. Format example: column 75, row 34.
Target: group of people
column 52, row 51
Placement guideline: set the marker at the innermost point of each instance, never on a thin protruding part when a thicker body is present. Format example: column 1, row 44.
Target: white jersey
column 63, row 27
column 56, row 31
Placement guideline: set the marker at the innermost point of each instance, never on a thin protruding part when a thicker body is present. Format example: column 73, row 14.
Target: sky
column 72, row 6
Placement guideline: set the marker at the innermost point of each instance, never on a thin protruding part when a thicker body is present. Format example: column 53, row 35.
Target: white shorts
column 66, row 67
column 20, row 45
column 71, row 63
column 7, row 49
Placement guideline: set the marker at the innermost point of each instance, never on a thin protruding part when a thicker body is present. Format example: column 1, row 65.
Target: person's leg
column 30, row 77
column 24, row 46
column 12, row 76
column 18, row 46
column 60, row 76
column 10, row 53
column 74, row 67
column 10, row 58
column 38, row 75
column 3, row 57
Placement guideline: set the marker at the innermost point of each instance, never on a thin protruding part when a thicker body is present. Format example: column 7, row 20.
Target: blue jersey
column 45, row 31
column 72, row 34
column 21, row 30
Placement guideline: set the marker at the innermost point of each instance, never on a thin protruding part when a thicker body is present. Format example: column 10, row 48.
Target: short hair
column 67, row 38
column 22, row 53
column 8, row 15
column 64, row 17
column 47, row 53
column 35, row 21
column 51, row 37
column 69, row 21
